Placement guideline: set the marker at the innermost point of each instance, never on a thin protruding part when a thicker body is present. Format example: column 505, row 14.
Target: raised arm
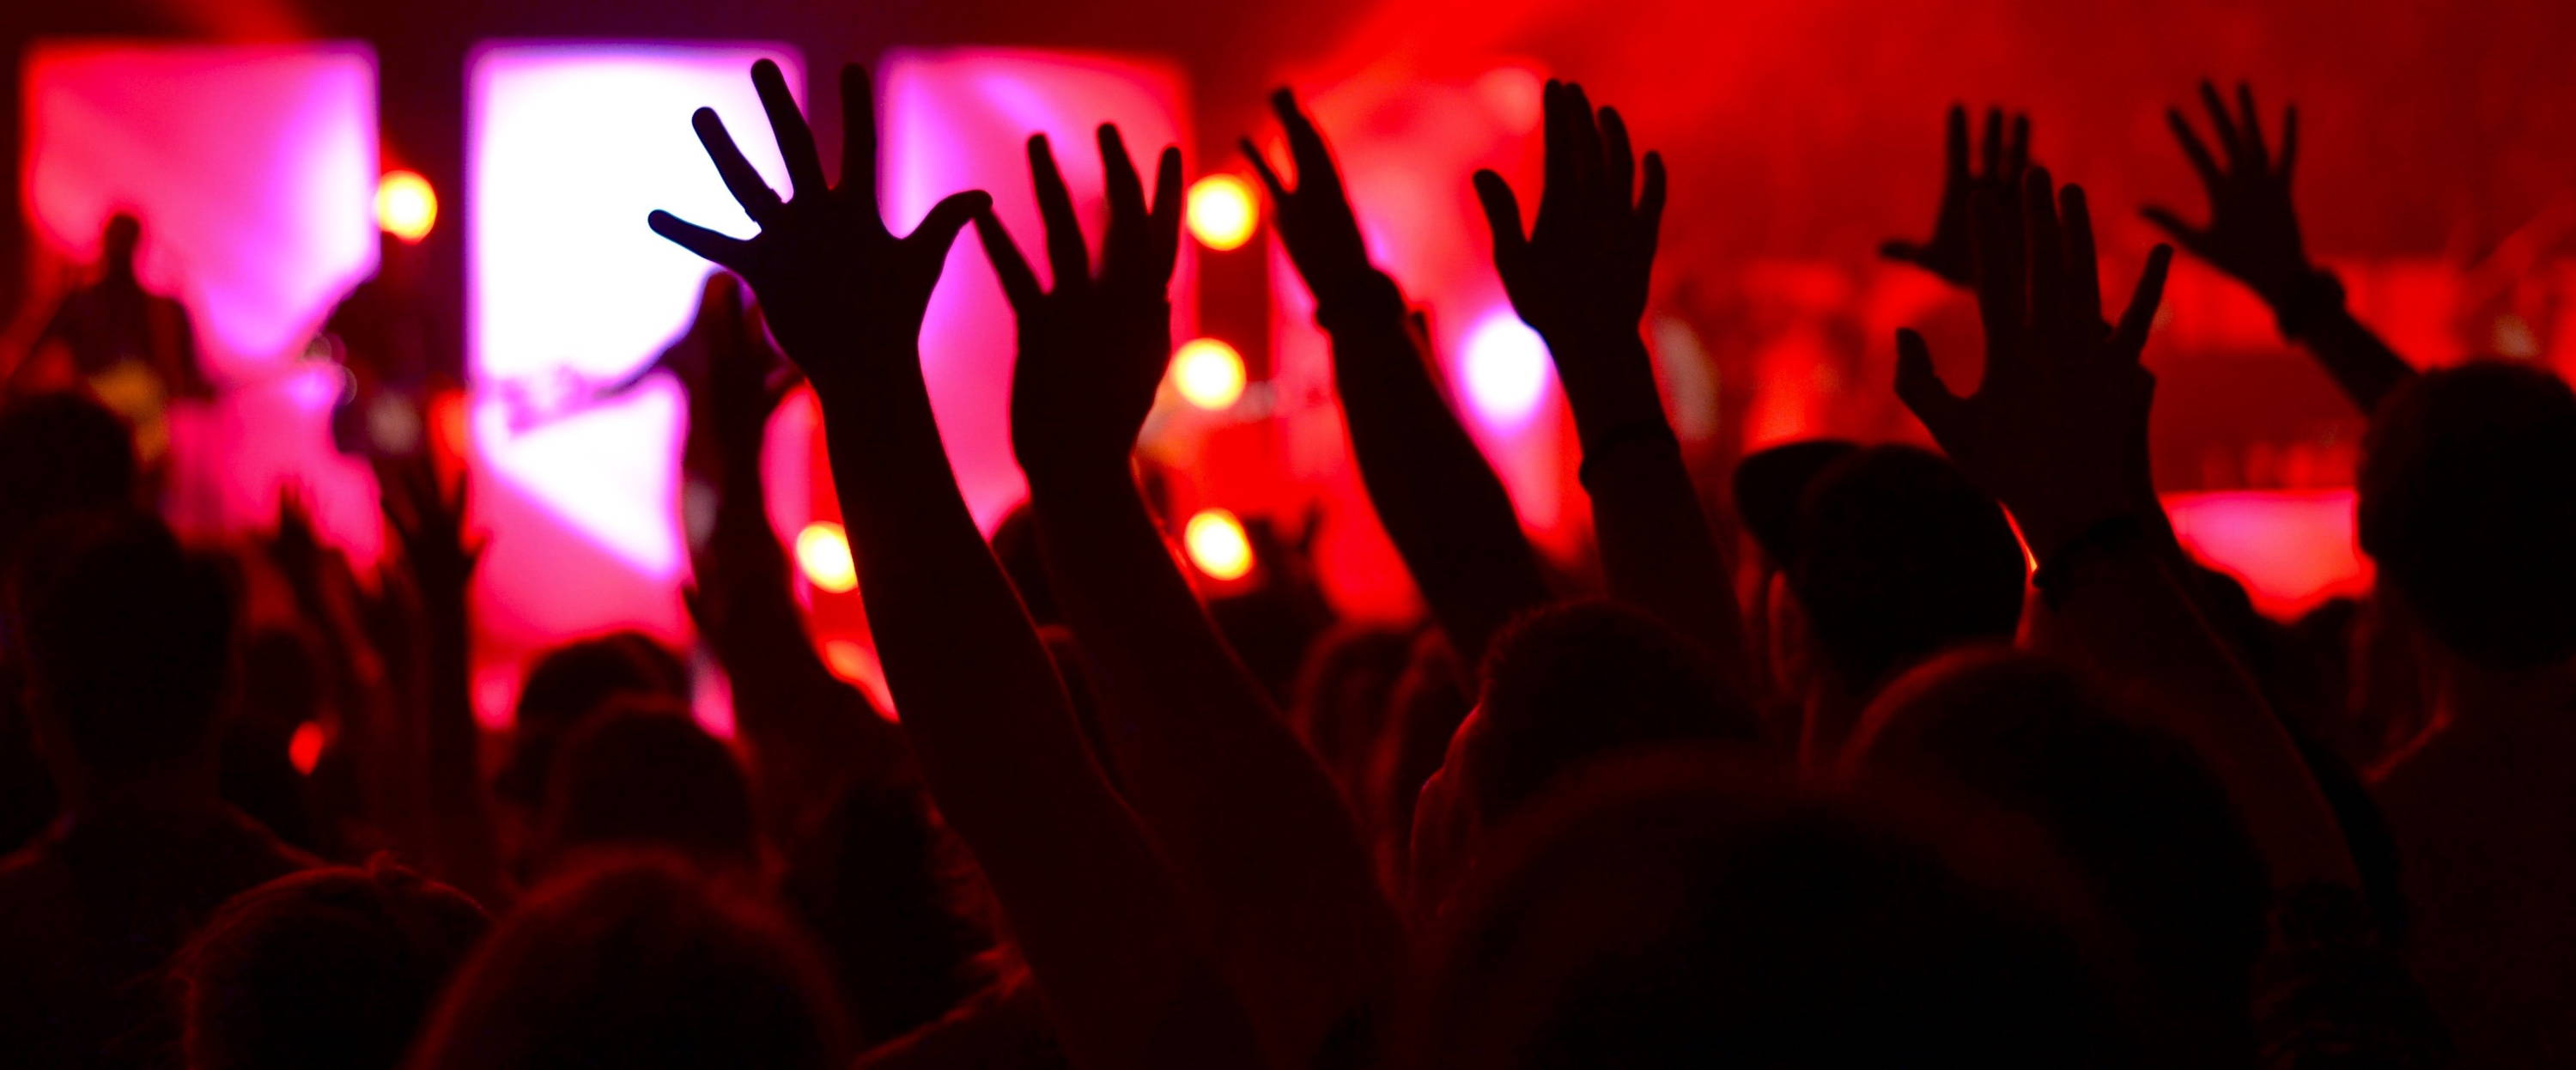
column 807, row 731
column 1269, row 860
column 2057, row 431
column 2253, row 236
column 1084, row 892
column 1579, row 277
column 2002, row 163
column 428, row 523
column 1438, row 499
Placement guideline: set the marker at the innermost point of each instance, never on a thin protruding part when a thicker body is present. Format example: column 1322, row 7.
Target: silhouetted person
column 59, row 452
column 640, row 773
column 639, row 962
column 2468, row 508
column 132, row 348
column 333, row 967
column 126, row 645
column 896, row 906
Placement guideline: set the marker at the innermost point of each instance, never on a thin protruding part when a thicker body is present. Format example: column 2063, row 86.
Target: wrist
column 2306, row 301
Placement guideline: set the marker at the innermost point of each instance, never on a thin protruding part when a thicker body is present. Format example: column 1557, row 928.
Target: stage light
column 1222, row 212
column 1209, row 373
column 823, row 552
column 304, row 748
column 405, row 205
column 846, row 660
column 1506, row 369
column 1217, row 544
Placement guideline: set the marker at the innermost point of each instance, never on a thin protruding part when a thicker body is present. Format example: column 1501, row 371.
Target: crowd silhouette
column 1954, row 758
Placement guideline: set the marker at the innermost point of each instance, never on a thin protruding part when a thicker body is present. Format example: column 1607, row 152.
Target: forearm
column 2361, row 364
column 1439, row 501
column 460, row 823
column 1299, row 925
column 1656, row 545
column 994, row 738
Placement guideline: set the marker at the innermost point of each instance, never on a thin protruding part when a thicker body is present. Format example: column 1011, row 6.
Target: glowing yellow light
column 823, row 552
column 1209, row 373
column 405, row 205
column 1222, row 212
column 1217, row 545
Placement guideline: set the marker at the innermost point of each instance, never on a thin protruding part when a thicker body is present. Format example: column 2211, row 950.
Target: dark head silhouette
column 641, row 773
column 127, row 644
column 569, row 683
column 330, row 967
column 59, row 452
column 2143, row 821
column 1897, row 557
column 2468, row 507
column 1678, row 910
column 118, row 242
column 639, row 962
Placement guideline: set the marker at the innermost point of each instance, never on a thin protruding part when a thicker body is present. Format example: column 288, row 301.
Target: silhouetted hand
column 1314, row 220
column 292, row 544
column 428, row 522
column 2253, row 231
column 1947, row 252
column 1094, row 348
column 839, row 288
column 1582, row 269
column 2057, row 430
column 1580, row 275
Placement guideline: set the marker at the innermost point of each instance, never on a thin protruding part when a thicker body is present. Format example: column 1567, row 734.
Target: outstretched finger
column 1261, row 170
column 795, row 139
column 2130, row 338
column 2183, row 234
column 1019, row 284
column 2049, row 288
column 717, row 248
column 1067, row 257
column 1314, row 159
column 1954, row 147
column 858, row 135
column 1503, row 216
column 1920, row 387
column 2017, row 152
column 2255, row 149
column 2193, row 149
column 754, row 195
column 1650, row 202
column 2083, row 273
column 1992, row 155
column 2223, row 126
column 1581, row 125
column 2003, row 296
column 1166, row 213
column 1619, row 159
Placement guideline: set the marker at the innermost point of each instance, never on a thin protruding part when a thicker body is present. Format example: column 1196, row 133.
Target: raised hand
column 427, row 521
column 1092, row 349
column 1580, row 273
column 2057, row 429
column 1314, row 221
column 2002, row 164
column 839, row 288
column 2253, row 232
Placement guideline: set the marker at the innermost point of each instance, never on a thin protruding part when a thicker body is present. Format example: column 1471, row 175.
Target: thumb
column 939, row 229
column 1920, row 387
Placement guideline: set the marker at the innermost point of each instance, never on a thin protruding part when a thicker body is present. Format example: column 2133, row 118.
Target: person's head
column 1342, row 693
column 1895, row 557
column 640, row 962
column 59, row 452
column 327, row 968
column 1682, row 909
column 126, row 642
column 2147, row 827
column 895, row 904
column 2468, row 508
column 1563, row 686
column 118, row 242
column 570, row 683
column 641, row 773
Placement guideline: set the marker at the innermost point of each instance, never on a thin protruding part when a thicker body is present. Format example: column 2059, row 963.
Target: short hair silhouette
column 59, row 452
column 127, row 641
column 329, row 967
column 643, row 962
column 641, row 773
column 571, row 682
column 2468, row 507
